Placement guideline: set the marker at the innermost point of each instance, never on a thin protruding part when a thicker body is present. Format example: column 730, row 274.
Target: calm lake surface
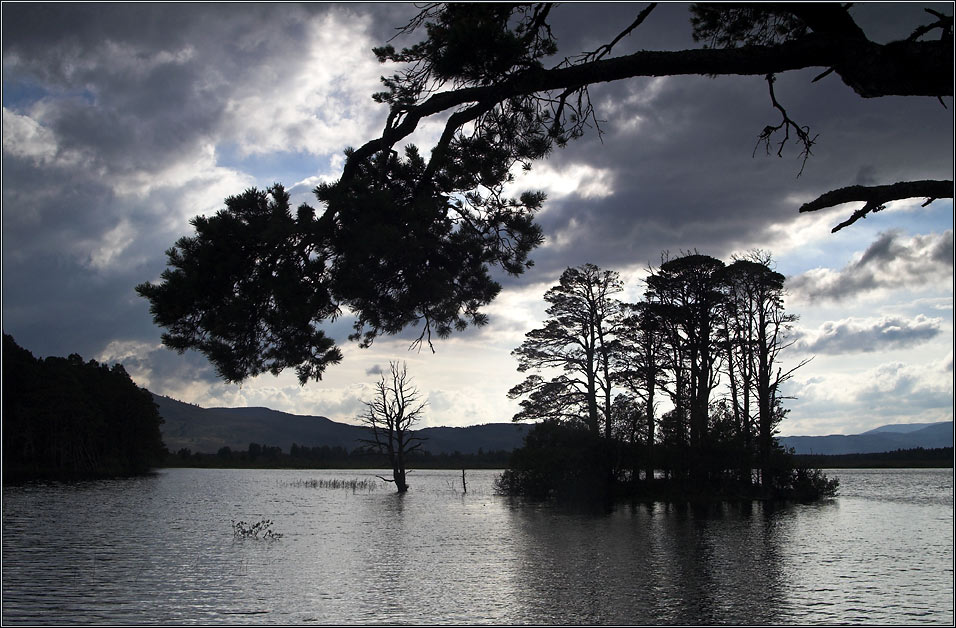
column 161, row 550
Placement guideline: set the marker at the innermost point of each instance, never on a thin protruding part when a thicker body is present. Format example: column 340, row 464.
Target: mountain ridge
column 206, row 430
column 188, row 426
column 877, row 440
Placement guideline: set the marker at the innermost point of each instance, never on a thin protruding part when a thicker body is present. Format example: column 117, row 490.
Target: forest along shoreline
column 66, row 419
column 330, row 458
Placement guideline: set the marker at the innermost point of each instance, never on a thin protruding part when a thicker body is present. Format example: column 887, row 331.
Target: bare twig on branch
column 877, row 196
column 787, row 123
column 425, row 336
column 425, row 11
column 606, row 48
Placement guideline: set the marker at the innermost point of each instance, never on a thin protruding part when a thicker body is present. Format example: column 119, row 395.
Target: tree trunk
column 398, row 465
column 399, row 475
column 593, row 423
column 765, row 437
column 764, row 406
column 649, row 462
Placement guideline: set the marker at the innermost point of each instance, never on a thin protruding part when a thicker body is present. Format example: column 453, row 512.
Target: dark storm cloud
column 110, row 113
column 892, row 261
column 53, row 302
column 47, row 210
column 867, row 336
column 154, row 81
column 686, row 175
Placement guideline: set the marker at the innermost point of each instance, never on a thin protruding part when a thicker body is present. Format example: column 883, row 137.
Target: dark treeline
column 707, row 339
column 938, row 458
column 326, row 457
column 64, row 418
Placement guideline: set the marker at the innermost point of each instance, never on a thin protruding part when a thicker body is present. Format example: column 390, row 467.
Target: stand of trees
column 708, row 337
column 64, row 418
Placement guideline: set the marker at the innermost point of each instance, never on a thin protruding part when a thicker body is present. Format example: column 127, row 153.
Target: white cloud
column 121, row 350
column 868, row 335
column 520, row 308
column 786, row 239
column 112, row 244
column 191, row 186
column 582, row 180
column 465, row 403
column 25, row 137
column 850, row 402
column 331, row 174
column 150, row 206
column 631, row 113
column 318, row 102
column 200, row 163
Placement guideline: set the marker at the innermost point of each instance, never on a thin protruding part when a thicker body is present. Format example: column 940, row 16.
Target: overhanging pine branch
column 876, row 197
column 900, row 68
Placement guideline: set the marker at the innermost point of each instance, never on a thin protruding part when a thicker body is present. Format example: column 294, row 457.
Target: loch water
column 161, row 550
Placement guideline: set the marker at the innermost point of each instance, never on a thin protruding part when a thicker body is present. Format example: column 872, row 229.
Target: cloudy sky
column 123, row 121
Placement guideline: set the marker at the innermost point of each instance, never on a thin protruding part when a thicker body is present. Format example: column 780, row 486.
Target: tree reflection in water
column 653, row 564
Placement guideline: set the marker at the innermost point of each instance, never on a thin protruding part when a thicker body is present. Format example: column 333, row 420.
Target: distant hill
column 884, row 438
column 207, row 430
column 902, row 428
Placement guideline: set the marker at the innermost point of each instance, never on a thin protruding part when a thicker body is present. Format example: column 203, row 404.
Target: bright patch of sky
column 282, row 166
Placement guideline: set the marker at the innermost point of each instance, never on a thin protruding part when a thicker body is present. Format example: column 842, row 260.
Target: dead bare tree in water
column 391, row 416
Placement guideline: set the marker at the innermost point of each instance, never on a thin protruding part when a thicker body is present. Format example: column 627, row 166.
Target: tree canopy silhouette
column 708, row 334
column 407, row 240
column 553, row 103
column 579, row 338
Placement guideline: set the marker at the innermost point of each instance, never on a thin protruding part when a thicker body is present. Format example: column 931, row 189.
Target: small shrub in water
column 259, row 530
column 812, row 484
